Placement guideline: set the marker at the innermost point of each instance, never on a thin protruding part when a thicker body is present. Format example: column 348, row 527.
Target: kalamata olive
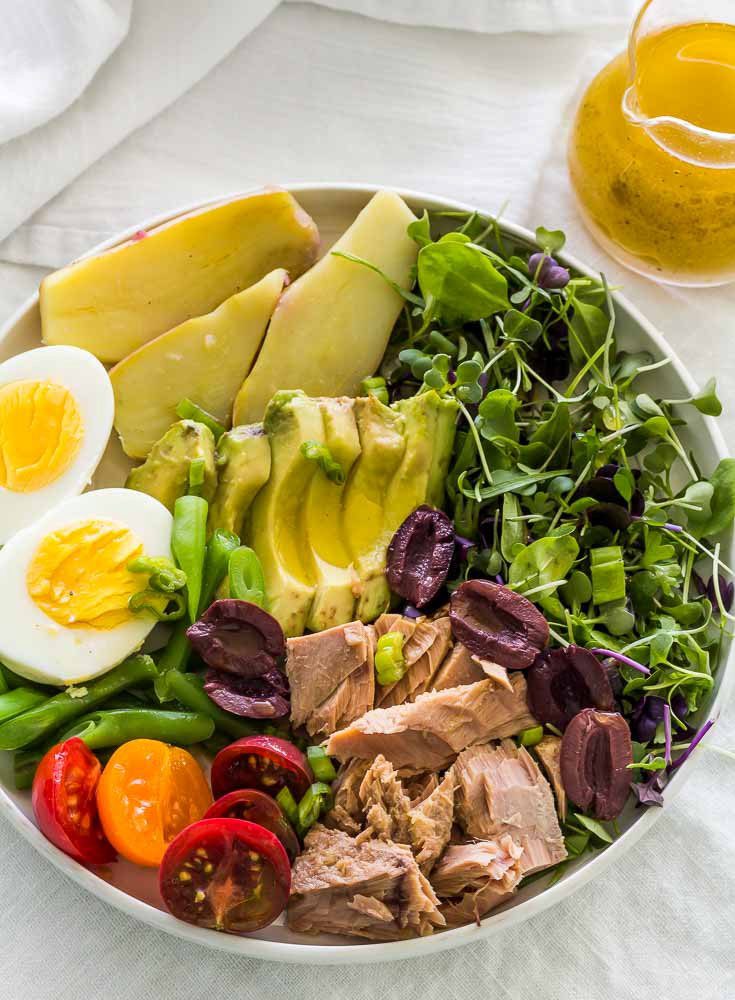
column 595, row 753
column 419, row 555
column 263, row 697
column 561, row 682
column 238, row 637
column 497, row 624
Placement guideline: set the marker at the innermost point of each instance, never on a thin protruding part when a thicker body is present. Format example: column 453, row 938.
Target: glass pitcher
column 652, row 147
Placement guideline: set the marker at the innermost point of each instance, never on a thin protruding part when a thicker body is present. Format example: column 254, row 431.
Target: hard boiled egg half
column 65, row 585
column 56, row 412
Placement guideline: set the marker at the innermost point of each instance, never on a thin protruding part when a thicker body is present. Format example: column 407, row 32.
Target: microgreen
column 569, row 479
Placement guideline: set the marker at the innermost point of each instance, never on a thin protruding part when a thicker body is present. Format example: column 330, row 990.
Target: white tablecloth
column 314, row 94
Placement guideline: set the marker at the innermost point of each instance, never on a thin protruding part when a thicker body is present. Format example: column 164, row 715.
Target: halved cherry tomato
column 257, row 807
column 227, row 874
column 148, row 792
column 64, row 804
column 264, row 762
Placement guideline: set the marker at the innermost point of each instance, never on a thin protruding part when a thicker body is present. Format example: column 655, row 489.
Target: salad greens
column 569, row 481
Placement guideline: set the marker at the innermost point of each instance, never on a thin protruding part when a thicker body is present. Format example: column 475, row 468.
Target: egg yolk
column 79, row 577
column 40, row 433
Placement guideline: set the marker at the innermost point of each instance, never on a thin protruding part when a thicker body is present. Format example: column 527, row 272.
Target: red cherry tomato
column 65, row 804
column 256, row 807
column 263, row 762
column 226, row 874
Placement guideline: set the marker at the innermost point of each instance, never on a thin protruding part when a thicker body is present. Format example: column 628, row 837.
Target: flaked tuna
column 385, row 805
column 423, row 650
column 548, row 752
column 373, row 889
column 427, row 734
column 500, row 790
column 474, row 878
column 346, row 813
column 331, row 676
column 430, row 823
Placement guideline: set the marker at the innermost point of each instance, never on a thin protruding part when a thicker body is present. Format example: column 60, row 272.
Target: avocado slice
column 165, row 473
column 244, row 465
column 428, row 429
column 276, row 524
column 383, row 446
column 336, row 579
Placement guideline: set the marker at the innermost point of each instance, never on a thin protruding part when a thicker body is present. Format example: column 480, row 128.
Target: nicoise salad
column 412, row 590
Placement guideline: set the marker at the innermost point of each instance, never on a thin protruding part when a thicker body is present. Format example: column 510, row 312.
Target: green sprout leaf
column 462, row 281
column 550, row 240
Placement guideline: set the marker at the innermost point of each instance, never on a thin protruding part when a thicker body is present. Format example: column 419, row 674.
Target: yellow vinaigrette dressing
column 652, row 154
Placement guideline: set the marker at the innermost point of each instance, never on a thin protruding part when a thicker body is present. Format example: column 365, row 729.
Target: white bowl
column 134, row 890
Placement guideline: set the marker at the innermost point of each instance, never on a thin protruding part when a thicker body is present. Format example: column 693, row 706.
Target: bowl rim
column 320, row 954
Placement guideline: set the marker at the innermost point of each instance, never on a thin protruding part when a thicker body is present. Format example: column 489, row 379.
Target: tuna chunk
column 346, row 813
column 384, row 803
column 548, row 751
column 459, row 667
column 423, row 651
column 373, row 889
column 462, row 667
column 430, row 823
column 331, row 676
column 428, row 733
column 500, row 790
column 474, row 878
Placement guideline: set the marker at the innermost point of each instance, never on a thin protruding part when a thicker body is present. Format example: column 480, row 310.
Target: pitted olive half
column 595, row 753
column 497, row 624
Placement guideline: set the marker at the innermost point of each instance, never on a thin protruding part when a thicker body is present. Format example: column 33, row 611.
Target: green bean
column 17, row 701
column 321, row 765
column 188, row 544
column 176, row 654
column 54, row 712
column 316, row 800
column 189, row 410
column 13, row 680
column 247, row 582
column 219, row 549
column 188, row 688
column 115, row 727
column 4, row 686
column 289, row 806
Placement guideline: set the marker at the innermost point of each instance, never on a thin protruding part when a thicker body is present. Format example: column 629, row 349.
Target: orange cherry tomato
column 149, row 791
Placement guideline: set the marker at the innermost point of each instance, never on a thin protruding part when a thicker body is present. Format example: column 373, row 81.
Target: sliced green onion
column 530, row 737
column 187, row 410
column 390, row 663
column 289, row 805
column 246, row 578
column 164, row 575
column 320, row 763
column 375, row 386
column 608, row 574
column 317, row 800
column 323, row 457
column 155, row 603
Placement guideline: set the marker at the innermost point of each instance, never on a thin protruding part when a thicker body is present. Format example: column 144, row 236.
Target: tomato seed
column 184, row 876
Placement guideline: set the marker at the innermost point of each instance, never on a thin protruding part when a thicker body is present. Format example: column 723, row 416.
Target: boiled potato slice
column 113, row 303
column 331, row 327
column 204, row 359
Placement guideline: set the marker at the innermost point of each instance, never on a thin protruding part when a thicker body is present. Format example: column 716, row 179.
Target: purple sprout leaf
column 651, row 791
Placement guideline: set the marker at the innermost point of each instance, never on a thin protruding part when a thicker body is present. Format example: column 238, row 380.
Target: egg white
column 87, row 380
column 36, row 646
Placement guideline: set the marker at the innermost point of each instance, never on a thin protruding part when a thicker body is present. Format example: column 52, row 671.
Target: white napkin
column 49, row 51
